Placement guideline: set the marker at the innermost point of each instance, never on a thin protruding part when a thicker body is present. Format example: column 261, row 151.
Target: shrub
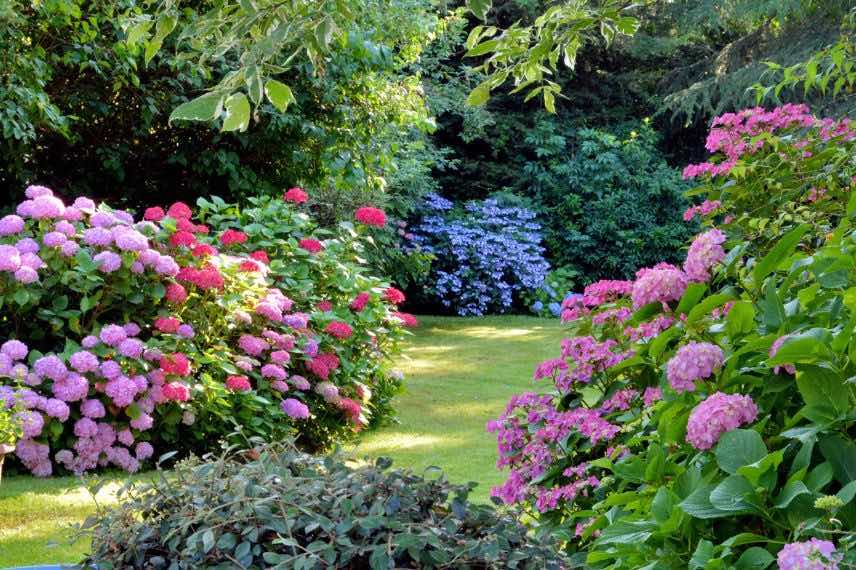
column 291, row 510
column 546, row 300
column 167, row 333
column 609, row 200
column 486, row 254
column 703, row 416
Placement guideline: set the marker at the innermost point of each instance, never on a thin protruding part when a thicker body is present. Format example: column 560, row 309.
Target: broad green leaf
column 698, row 504
column 205, row 108
column 707, row 305
column 841, row 454
column 821, row 387
column 754, row 558
column 740, row 319
column 783, row 248
column 735, row 494
column 479, row 95
column 754, row 471
column 237, row 113
column 279, row 94
column 692, row 295
column 479, row 8
column 737, row 448
column 702, row 555
column 137, row 31
column 791, row 491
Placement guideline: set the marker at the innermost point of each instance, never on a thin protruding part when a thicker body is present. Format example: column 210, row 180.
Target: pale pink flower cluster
column 718, row 414
column 660, row 284
column 702, row 209
column 693, row 361
column 704, row 254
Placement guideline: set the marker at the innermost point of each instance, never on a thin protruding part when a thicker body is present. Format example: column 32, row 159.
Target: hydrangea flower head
column 718, row 414
column 360, row 301
column 662, row 283
column 238, row 383
column 774, row 349
column 704, row 254
column 311, row 245
column 231, row 236
column 295, row 409
column 295, row 196
column 370, row 216
column 814, row 554
column 693, row 361
column 339, row 330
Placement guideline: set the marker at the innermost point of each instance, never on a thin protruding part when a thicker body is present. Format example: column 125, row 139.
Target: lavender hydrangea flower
column 131, row 347
column 15, row 349
column 11, row 225
column 84, row 361
column 814, row 554
column 97, row 236
column 10, row 258
column 69, row 248
column 54, row 239
column 128, row 239
column 27, row 245
column 112, row 335
column 295, row 409
column 51, row 366
column 107, row 261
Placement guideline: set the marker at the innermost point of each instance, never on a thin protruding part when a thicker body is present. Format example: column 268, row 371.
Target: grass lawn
column 460, row 373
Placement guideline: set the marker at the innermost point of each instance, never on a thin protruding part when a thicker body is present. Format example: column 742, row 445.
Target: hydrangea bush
column 485, row 254
column 126, row 338
column 704, row 415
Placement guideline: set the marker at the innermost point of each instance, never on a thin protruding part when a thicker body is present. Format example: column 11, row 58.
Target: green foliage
column 284, row 509
column 10, row 425
column 610, row 203
column 682, row 482
column 90, row 114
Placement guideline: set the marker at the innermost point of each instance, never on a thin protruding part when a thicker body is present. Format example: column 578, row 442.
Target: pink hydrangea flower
column 718, row 414
column 14, row 349
column 814, row 554
column 252, row 345
column 339, row 330
column 11, row 225
column 662, row 283
column 10, row 258
column 84, row 361
column 295, row 409
column 704, row 254
column 370, row 216
column 274, row 371
column 112, row 335
column 108, row 261
column 238, row 383
column 693, row 361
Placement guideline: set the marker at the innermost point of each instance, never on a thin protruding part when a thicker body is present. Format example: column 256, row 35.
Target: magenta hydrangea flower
column 280, row 356
column 693, row 361
column 131, row 329
column 14, row 349
column 107, row 261
column 661, row 284
column 652, row 394
column 718, row 414
column 11, row 225
column 704, row 254
column 97, row 236
column 279, row 386
column 252, row 345
column 814, row 554
column 112, row 335
column 295, row 409
column 125, row 437
column 274, row 371
column 84, row 361
column 10, row 258
column 51, row 366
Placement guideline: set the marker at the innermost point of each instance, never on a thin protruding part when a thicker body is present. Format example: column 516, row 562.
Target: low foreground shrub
column 290, row 510
column 122, row 337
column 704, row 416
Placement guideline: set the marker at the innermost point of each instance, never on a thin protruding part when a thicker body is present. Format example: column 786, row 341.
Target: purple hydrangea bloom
column 73, row 388
column 93, row 409
column 121, row 390
column 11, row 224
column 300, row 382
column 10, row 258
column 814, row 554
column 143, row 422
column 57, row 409
column 131, row 347
column 69, row 248
column 111, row 369
column 84, row 361
column 144, row 450
column 31, row 422
column 44, row 207
column 66, row 228
column 89, row 341
column 85, row 427
column 26, row 275
column 33, row 191
column 107, row 261
column 112, row 335
column 295, row 409
column 15, row 349
column 27, row 245
column 82, row 203
column 127, row 239
column 102, row 220
column 186, row 331
column 97, row 236
column 274, row 371
column 693, row 361
column 132, row 329
column 54, row 239
column 166, row 265
column 125, row 437
column 51, row 366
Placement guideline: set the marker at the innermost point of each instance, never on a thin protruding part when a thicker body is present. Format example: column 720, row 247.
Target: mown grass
column 460, row 373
